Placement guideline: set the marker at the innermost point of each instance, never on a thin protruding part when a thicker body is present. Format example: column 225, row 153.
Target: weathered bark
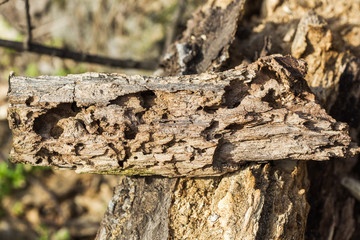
column 204, row 126
column 138, row 209
column 204, row 45
column 261, row 201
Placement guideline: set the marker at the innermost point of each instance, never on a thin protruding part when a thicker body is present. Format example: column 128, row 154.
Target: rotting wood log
column 199, row 125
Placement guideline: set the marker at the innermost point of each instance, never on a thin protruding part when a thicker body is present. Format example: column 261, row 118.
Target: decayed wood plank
column 203, row 125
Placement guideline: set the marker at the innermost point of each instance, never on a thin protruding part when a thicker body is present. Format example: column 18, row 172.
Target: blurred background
column 43, row 203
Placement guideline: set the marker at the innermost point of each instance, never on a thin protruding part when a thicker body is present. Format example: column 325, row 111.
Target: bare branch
column 4, row 2
column 28, row 38
column 150, row 64
column 171, row 29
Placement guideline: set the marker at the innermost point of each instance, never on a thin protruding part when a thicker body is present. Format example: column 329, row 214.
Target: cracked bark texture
column 141, row 207
column 205, row 125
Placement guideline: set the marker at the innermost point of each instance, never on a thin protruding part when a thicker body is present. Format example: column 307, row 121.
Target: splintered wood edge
column 195, row 125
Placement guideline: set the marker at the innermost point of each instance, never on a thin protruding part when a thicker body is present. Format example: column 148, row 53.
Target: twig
column 352, row 185
column 4, row 2
column 172, row 27
column 265, row 51
column 150, row 64
column 28, row 38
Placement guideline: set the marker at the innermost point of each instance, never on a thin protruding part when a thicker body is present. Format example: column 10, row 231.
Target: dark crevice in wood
column 29, row 101
column 39, row 161
column 164, row 116
column 147, row 99
column 311, row 126
column 15, row 119
column 169, row 144
column 234, row 93
column 77, row 148
column 208, row 132
column 56, row 131
column 268, row 188
column 130, row 132
column 43, row 156
column 46, row 124
column 272, row 99
column 235, row 126
column 139, row 117
column 123, row 99
column 29, row 115
column 117, row 152
column 210, row 109
column 97, row 124
column 222, row 158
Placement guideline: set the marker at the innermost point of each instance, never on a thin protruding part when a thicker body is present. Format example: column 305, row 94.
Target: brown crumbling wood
column 205, row 125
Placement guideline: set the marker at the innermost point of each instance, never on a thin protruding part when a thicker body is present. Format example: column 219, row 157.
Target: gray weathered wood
column 195, row 125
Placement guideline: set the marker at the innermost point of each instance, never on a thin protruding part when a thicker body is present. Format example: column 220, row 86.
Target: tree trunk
column 261, row 201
